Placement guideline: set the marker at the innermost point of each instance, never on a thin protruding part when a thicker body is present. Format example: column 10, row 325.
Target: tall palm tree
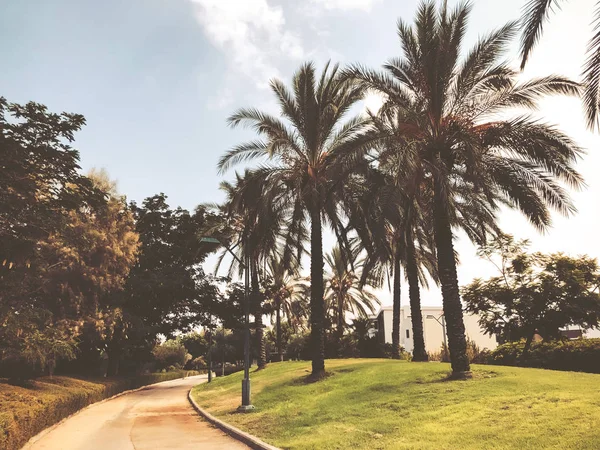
column 388, row 222
column 311, row 152
column 253, row 229
column 285, row 290
column 343, row 291
column 451, row 111
column 535, row 14
column 375, row 215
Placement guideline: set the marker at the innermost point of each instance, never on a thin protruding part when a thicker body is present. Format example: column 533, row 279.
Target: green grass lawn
column 385, row 404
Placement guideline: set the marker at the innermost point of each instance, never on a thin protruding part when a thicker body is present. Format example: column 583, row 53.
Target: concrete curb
column 44, row 432
column 246, row 438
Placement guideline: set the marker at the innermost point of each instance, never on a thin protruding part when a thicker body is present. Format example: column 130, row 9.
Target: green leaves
column 534, row 292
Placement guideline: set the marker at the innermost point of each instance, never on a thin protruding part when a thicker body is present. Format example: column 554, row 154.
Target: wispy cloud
column 363, row 5
column 251, row 33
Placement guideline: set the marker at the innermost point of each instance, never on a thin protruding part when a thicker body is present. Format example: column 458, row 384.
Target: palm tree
column 252, row 228
column 375, row 215
column 343, row 291
column 388, row 222
column 311, row 153
column 450, row 111
column 285, row 290
column 535, row 14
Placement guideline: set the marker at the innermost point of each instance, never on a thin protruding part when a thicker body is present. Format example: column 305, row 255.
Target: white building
column 433, row 330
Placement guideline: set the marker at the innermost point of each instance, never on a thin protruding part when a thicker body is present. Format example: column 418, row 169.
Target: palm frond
column 591, row 75
column 535, row 13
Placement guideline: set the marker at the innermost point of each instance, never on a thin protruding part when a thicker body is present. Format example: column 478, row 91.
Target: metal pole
column 246, row 405
column 210, row 351
column 444, row 332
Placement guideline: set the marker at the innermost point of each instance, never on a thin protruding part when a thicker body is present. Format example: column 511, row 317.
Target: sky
column 156, row 80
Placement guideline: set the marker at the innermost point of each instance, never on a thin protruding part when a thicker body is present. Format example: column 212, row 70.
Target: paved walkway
column 156, row 417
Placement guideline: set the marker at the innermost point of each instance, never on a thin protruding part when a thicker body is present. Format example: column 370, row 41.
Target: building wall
column 432, row 330
column 385, row 323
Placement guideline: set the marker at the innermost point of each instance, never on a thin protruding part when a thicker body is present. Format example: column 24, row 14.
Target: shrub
column 170, row 355
column 475, row 354
column 442, row 355
column 581, row 355
column 298, row 347
column 197, row 363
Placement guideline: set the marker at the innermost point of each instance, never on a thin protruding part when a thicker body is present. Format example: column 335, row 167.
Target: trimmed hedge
column 25, row 411
column 581, row 355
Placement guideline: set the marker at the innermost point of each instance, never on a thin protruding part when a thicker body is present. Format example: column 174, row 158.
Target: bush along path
column 28, row 410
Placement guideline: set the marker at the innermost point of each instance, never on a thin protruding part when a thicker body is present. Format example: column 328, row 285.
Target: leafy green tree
column 535, row 14
column 230, row 310
column 223, row 347
column 40, row 180
column 76, row 269
column 534, row 293
column 33, row 342
column 195, row 343
column 311, row 154
column 167, row 288
column 41, row 188
column 465, row 144
column 171, row 353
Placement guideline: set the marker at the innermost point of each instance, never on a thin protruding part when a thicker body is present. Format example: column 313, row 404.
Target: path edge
column 32, row 440
column 242, row 436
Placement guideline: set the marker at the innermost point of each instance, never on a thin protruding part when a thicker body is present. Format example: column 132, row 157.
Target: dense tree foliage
column 167, row 287
column 534, row 292
column 40, row 181
column 82, row 273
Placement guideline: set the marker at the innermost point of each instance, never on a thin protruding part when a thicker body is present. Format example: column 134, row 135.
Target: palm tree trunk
column 414, row 293
column 455, row 327
column 278, row 325
column 396, row 309
column 317, row 307
column 260, row 338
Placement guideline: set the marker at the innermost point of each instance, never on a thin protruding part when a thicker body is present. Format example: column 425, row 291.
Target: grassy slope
column 378, row 404
column 25, row 411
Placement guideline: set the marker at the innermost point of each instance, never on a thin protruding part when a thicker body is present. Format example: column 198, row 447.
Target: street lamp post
column 443, row 324
column 210, row 350
column 246, row 405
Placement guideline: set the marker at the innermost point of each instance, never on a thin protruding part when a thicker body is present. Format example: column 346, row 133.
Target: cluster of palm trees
column 444, row 153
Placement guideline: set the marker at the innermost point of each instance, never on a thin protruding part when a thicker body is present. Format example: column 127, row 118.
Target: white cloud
column 363, row 5
column 251, row 33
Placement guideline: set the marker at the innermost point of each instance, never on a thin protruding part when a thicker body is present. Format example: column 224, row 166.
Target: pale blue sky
column 156, row 79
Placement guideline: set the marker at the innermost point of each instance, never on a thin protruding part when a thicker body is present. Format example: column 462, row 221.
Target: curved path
column 156, row 417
